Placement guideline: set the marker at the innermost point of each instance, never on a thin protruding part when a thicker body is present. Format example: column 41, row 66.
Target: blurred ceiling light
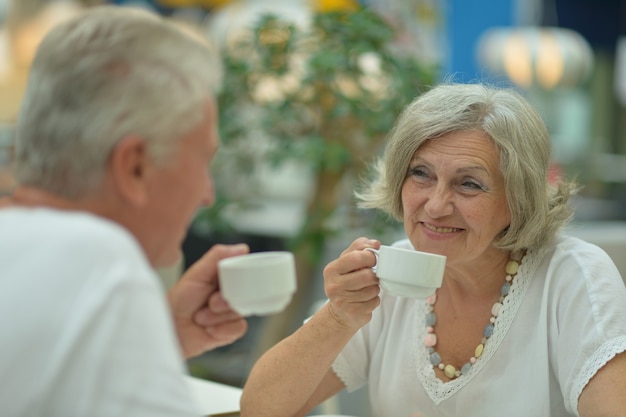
column 532, row 56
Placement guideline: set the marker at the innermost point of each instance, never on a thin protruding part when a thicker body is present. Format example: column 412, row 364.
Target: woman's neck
column 479, row 279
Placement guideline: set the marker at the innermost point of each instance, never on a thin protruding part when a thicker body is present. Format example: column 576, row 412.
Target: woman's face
column 453, row 197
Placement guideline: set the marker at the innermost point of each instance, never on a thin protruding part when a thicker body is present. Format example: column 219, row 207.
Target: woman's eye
column 418, row 172
column 471, row 185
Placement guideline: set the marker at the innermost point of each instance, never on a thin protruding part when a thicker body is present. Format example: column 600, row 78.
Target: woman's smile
column 441, row 229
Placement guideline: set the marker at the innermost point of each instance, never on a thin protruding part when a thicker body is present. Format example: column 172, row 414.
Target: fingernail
column 238, row 247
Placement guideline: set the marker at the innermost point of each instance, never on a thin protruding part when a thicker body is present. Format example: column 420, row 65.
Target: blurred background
column 312, row 87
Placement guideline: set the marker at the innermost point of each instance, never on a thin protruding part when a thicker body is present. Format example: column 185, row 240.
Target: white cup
column 259, row 283
column 407, row 272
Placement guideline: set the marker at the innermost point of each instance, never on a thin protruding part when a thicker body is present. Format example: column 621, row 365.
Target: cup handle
column 375, row 252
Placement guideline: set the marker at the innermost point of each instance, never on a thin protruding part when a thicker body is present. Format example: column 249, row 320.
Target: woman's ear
column 129, row 165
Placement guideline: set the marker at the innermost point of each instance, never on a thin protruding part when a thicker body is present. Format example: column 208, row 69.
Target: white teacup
column 407, row 272
column 259, row 283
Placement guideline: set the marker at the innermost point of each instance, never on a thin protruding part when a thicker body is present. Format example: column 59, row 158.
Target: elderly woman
column 527, row 322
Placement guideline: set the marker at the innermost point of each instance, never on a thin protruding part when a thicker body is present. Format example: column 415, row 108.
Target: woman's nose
column 439, row 203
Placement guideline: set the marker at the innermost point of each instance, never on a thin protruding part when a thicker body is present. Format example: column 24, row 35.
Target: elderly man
column 114, row 142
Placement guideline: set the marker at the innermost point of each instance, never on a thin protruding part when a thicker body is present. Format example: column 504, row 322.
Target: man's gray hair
column 109, row 73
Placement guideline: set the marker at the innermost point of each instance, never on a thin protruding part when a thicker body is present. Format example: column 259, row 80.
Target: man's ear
column 129, row 166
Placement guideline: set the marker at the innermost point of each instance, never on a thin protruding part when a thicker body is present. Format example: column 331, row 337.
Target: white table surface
column 213, row 398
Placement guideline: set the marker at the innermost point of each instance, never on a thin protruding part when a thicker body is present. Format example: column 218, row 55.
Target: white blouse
column 564, row 318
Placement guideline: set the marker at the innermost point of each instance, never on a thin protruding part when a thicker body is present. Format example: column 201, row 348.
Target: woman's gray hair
column 538, row 209
column 106, row 74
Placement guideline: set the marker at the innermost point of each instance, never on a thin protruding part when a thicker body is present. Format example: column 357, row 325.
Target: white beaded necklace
column 430, row 340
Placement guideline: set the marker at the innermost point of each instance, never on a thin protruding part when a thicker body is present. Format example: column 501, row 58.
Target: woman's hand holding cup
column 351, row 286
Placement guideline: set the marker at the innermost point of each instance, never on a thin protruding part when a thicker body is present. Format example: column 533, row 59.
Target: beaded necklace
column 430, row 340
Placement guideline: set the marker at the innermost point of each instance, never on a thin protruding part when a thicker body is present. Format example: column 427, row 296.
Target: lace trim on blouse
column 438, row 390
column 600, row 357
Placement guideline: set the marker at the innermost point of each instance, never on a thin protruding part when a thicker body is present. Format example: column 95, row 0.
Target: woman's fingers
column 351, row 285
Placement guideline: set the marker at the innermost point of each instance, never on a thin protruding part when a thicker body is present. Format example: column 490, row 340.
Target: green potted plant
column 322, row 97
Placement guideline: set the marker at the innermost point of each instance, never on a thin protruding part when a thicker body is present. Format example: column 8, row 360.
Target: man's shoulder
column 64, row 230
